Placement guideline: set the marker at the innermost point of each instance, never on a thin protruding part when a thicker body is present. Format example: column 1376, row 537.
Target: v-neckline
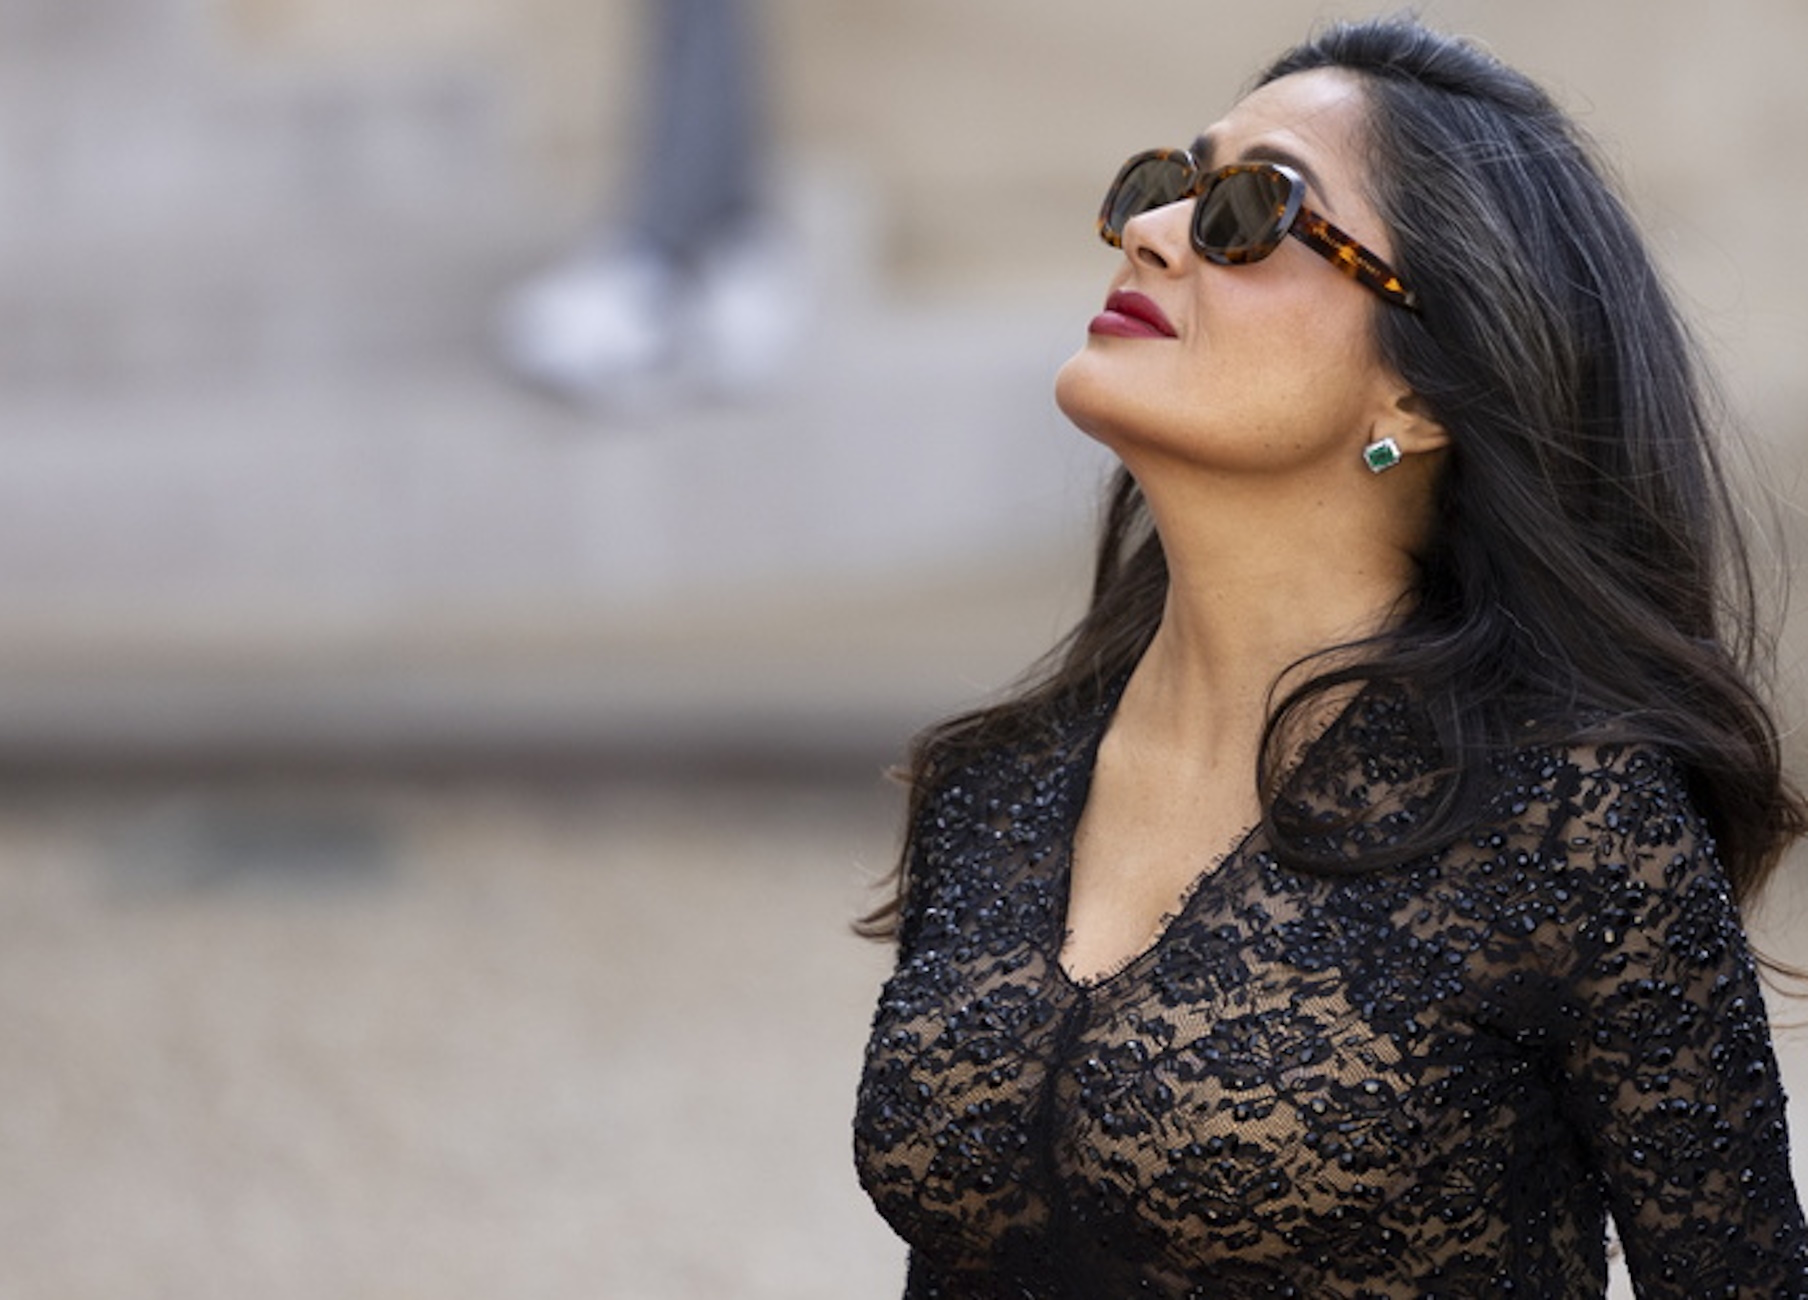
column 1085, row 768
column 1164, row 925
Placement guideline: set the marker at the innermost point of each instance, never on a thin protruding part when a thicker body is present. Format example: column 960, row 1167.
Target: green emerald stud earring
column 1381, row 455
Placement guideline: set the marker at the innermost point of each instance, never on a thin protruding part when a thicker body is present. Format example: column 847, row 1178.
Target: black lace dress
column 1436, row 1080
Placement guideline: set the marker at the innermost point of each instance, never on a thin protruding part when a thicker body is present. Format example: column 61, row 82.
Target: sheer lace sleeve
column 1667, row 1065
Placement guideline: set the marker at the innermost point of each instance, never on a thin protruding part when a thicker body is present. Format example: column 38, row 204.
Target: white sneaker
column 748, row 305
column 598, row 328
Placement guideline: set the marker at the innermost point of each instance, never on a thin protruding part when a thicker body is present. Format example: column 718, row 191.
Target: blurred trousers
column 703, row 135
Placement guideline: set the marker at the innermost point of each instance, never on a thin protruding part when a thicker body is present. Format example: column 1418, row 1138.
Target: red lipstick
column 1131, row 315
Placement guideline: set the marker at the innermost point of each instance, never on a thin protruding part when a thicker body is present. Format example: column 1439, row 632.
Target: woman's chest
column 1267, row 1069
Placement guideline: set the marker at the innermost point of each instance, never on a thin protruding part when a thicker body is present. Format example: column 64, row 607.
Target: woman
column 1349, row 908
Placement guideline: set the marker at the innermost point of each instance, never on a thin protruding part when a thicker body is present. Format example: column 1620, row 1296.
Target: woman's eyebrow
column 1259, row 152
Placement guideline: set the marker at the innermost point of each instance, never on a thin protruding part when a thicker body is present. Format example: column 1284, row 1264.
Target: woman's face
column 1272, row 365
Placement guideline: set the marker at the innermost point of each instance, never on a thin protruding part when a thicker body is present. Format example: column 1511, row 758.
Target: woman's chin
column 1083, row 394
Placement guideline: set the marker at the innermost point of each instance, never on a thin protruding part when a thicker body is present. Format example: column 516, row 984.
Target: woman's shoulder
column 990, row 811
column 1553, row 787
column 1598, row 819
column 1580, row 768
column 999, row 754
column 1007, row 773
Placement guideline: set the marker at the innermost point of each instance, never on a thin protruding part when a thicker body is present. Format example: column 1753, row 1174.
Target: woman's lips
column 1131, row 316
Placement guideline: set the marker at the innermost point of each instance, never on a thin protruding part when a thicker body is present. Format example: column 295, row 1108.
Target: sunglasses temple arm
column 1350, row 257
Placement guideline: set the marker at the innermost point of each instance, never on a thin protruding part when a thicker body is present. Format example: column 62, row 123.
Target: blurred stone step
column 168, row 210
column 251, row 305
column 319, row 293
column 164, row 151
column 65, row 34
column 818, row 674
column 906, row 436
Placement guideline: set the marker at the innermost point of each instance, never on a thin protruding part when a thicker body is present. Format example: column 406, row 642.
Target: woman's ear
column 1410, row 423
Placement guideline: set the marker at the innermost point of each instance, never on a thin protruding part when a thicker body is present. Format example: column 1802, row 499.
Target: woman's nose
column 1159, row 238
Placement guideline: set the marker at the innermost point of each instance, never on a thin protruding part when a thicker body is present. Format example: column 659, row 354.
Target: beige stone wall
column 565, row 66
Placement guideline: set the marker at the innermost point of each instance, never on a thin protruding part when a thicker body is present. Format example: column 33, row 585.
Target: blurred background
column 434, row 803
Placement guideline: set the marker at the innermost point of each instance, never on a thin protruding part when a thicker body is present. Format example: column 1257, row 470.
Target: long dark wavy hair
column 1587, row 566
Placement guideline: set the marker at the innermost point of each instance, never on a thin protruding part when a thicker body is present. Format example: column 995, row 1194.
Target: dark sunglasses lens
column 1239, row 220
column 1144, row 185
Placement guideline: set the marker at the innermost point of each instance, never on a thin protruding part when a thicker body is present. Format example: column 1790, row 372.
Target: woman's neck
column 1257, row 581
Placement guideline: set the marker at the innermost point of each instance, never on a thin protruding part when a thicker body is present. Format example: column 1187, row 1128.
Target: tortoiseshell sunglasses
column 1243, row 213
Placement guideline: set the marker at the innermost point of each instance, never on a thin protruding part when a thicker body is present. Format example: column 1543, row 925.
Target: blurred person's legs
column 705, row 137
column 695, row 283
